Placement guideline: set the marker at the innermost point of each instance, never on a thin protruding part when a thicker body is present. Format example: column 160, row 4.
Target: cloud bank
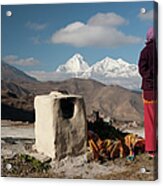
column 49, row 76
column 101, row 30
column 14, row 60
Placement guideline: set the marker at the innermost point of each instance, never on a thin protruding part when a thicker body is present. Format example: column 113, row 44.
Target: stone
column 42, row 158
column 60, row 125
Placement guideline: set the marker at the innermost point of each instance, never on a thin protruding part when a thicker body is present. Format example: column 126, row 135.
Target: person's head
column 150, row 34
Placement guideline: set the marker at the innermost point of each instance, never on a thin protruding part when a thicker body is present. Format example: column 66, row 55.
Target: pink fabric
column 150, row 124
column 150, row 34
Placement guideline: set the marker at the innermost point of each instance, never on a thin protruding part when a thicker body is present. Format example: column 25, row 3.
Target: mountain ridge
column 107, row 71
column 11, row 73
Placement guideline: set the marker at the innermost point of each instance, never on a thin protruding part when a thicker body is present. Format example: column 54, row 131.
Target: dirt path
column 17, row 132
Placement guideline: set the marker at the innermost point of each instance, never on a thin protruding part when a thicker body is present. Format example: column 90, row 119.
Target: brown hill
column 112, row 101
column 119, row 103
column 14, row 89
column 10, row 73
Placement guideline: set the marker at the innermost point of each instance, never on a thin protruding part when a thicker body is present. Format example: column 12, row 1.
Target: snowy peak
column 107, row 71
column 121, row 61
column 75, row 64
column 105, row 65
column 112, row 68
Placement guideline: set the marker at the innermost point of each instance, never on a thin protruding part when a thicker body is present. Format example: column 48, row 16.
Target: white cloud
column 108, row 19
column 49, row 76
column 14, row 60
column 36, row 26
column 148, row 16
column 100, row 31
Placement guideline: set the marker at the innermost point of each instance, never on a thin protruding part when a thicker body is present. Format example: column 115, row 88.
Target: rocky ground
column 19, row 160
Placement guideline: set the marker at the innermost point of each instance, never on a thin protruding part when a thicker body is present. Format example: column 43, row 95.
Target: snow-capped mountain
column 76, row 64
column 109, row 67
column 108, row 71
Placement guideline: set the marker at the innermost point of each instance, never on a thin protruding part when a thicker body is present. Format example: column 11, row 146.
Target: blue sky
column 41, row 37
